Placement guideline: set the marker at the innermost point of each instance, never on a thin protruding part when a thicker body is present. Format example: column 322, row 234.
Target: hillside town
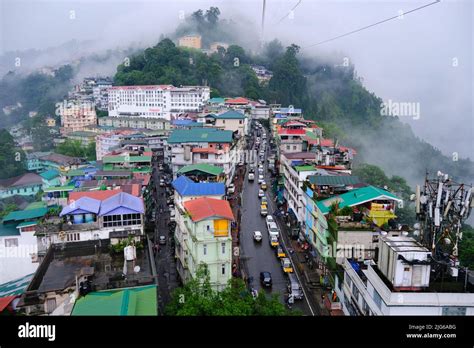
column 182, row 181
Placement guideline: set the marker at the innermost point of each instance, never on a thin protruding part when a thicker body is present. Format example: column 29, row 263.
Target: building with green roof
column 201, row 169
column 200, row 135
column 50, row 178
column 118, row 302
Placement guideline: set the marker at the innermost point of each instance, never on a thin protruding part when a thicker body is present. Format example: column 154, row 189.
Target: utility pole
column 263, row 22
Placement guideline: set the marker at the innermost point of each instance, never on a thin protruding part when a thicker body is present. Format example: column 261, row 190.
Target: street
column 164, row 257
column 259, row 257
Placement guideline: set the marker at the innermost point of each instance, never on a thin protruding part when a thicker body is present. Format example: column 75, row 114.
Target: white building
column 164, row 101
column 398, row 285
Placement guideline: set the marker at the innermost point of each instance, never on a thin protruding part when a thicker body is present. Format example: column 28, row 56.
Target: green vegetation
column 197, row 298
column 374, row 175
column 466, row 247
column 12, row 159
column 75, row 148
column 34, row 92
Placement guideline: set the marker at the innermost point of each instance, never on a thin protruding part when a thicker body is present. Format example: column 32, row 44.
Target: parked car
column 263, row 210
column 260, row 179
column 279, row 252
column 231, row 189
column 273, row 241
column 269, row 219
column 286, row 265
column 264, row 200
column 266, row 279
column 257, row 236
column 261, row 193
column 263, row 185
column 162, row 182
column 251, row 176
column 294, row 287
column 162, row 240
column 172, row 215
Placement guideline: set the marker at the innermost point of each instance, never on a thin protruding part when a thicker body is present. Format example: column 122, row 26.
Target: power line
column 294, row 7
column 372, row 25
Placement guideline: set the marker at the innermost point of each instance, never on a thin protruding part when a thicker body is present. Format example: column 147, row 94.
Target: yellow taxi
column 286, row 265
column 263, row 186
column 263, row 209
column 279, row 252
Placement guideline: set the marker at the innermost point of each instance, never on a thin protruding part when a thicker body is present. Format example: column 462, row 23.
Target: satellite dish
column 136, row 269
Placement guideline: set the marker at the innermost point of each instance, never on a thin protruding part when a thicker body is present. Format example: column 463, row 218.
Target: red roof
column 327, row 142
column 5, row 301
column 203, row 208
column 144, row 177
column 239, row 100
column 294, row 123
column 204, row 150
column 99, row 195
column 286, row 131
column 347, row 149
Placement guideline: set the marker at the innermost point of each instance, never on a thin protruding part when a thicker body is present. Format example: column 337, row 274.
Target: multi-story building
column 203, row 145
column 111, row 215
column 399, row 284
column 77, row 117
column 213, row 47
column 190, row 41
column 231, row 120
column 158, row 101
column 135, row 123
column 28, row 184
column 203, row 237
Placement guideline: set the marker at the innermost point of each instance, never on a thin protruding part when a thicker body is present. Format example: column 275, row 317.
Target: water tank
column 404, row 262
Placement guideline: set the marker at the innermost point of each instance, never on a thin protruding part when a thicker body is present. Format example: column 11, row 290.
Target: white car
column 260, row 179
column 269, row 219
column 172, row 215
column 257, row 236
column 261, row 193
column 231, row 189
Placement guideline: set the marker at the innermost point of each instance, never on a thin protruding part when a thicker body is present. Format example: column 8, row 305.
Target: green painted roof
column 59, row 188
column 75, row 172
column 27, row 223
column 196, row 135
column 8, row 230
column 216, row 101
column 130, row 301
column 333, row 180
column 203, row 167
column 35, row 205
column 50, row 174
column 356, row 197
column 121, row 159
column 230, row 115
column 15, row 287
column 306, row 168
column 20, row 215
column 311, row 135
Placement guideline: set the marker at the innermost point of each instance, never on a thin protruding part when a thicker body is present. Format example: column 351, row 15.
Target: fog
column 424, row 57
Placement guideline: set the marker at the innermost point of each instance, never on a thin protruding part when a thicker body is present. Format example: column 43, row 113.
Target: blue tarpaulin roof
column 187, row 187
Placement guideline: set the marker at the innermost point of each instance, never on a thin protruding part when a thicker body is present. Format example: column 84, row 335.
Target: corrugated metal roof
column 203, row 208
column 81, row 206
column 15, row 287
column 202, row 167
column 187, row 187
column 20, row 215
column 196, row 135
column 49, row 174
column 231, row 115
column 122, row 200
column 356, row 197
column 333, row 180
column 132, row 301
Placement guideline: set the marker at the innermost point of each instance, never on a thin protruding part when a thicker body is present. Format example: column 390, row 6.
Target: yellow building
column 50, row 122
column 190, row 41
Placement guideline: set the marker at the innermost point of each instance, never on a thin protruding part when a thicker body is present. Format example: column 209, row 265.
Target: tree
column 12, row 158
column 75, row 148
column 212, row 15
column 197, row 298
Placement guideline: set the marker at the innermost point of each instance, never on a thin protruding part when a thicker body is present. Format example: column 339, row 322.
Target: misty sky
column 404, row 60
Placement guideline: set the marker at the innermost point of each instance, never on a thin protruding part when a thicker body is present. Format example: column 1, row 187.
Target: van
column 294, row 287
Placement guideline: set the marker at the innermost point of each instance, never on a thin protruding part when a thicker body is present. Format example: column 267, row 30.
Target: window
column 204, row 247
column 378, row 299
column 204, row 156
column 122, row 220
column 223, row 269
column 223, row 248
column 11, row 242
column 72, row 237
column 50, row 305
column 294, row 147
